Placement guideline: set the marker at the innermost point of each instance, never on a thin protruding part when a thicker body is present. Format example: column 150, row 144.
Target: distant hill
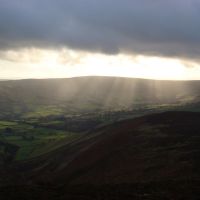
column 151, row 157
column 89, row 94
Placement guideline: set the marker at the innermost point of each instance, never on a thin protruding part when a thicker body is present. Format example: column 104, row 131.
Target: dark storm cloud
column 156, row 27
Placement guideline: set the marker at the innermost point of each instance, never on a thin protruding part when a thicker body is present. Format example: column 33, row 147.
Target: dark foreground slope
column 152, row 157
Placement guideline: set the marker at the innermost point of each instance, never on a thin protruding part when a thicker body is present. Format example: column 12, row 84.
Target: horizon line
column 91, row 76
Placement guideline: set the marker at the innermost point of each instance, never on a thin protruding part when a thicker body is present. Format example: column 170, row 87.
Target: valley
column 99, row 137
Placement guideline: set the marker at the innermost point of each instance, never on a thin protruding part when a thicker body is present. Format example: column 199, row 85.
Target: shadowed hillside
column 151, row 157
column 86, row 94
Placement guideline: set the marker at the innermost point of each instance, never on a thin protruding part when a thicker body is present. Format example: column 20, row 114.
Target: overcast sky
column 73, row 30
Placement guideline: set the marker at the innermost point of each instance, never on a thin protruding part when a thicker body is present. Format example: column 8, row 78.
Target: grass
column 39, row 145
column 33, row 141
column 5, row 124
column 44, row 111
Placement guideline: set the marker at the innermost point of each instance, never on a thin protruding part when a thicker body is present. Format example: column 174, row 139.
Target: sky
column 154, row 39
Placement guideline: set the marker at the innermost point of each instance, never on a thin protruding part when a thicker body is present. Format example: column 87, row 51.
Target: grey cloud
column 155, row 27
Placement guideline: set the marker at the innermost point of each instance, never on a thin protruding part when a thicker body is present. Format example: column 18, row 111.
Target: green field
column 32, row 141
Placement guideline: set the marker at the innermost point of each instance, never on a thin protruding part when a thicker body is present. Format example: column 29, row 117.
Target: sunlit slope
column 91, row 93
